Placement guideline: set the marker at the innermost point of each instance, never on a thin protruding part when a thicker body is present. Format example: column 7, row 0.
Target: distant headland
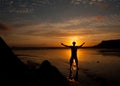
column 109, row 44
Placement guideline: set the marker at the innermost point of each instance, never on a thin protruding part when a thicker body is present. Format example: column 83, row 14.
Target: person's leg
column 70, row 74
column 76, row 75
column 71, row 62
column 76, row 61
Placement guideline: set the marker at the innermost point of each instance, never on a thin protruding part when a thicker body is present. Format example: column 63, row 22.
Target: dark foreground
column 14, row 72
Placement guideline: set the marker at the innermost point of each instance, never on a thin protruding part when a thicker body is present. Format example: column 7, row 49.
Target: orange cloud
column 100, row 18
column 4, row 26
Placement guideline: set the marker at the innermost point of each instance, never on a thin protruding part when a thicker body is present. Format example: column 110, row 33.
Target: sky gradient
column 50, row 22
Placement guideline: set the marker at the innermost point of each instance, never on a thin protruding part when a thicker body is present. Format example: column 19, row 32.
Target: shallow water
column 92, row 63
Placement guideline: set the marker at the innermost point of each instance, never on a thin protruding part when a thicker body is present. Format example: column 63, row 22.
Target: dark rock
column 49, row 75
column 12, row 69
column 14, row 72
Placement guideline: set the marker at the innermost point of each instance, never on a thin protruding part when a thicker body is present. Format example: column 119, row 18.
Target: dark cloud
column 56, row 10
column 100, row 4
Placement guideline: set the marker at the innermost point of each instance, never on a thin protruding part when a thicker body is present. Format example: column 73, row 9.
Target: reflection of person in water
column 73, row 53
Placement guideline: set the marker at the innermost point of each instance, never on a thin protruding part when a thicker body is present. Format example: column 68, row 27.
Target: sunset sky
column 50, row 22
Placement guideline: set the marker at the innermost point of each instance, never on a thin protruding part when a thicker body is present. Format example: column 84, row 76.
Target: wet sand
column 88, row 78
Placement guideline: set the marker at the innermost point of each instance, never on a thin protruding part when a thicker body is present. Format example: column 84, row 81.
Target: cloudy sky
column 50, row 22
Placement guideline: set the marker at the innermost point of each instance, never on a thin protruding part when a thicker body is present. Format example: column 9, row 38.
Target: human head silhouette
column 73, row 43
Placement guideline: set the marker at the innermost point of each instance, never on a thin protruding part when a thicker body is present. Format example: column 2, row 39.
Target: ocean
column 93, row 64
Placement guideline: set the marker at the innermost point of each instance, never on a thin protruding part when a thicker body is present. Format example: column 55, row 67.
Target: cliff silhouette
column 109, row 44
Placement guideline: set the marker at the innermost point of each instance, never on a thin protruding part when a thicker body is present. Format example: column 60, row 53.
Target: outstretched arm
column 82, row 44
column 64, row 45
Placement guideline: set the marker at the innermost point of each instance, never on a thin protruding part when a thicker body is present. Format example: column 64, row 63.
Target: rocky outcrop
column 14, row 72
column 109, row 44
column 12, row 69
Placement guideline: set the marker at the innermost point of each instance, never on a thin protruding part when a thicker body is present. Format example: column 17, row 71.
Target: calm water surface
column 105, row 64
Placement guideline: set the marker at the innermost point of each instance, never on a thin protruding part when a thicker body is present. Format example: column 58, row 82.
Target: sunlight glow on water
column 84, row 55
column 89, row 59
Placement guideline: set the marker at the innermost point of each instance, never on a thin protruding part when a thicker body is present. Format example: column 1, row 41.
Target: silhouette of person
column 73, row 53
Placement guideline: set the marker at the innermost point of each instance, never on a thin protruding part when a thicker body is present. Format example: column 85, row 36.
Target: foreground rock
column 14, row 72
